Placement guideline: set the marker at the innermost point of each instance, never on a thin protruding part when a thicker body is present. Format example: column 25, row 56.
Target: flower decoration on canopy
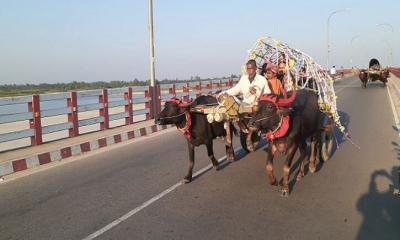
column 313, row 77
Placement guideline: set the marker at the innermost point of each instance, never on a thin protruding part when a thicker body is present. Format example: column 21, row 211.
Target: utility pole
column 328, row 50
column 351, row 44
column 390, row 60
column 152, row 71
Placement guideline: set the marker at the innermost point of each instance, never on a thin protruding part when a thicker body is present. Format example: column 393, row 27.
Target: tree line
column 8, row 90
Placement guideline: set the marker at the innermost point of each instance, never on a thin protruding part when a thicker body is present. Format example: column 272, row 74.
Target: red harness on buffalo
column 283, row 126
column 185, row 129
column 280, row 131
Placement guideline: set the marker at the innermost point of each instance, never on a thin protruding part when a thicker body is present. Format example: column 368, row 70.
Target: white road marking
column 132, row 212
column 149, row 202
column 395, row 114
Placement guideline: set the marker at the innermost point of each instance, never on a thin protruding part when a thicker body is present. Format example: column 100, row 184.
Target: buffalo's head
column 269, row 112
column 266, row 116
column 173, row 113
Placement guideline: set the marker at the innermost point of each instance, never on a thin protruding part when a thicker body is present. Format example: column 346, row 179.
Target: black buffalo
column 200, row 132
column 305, row 123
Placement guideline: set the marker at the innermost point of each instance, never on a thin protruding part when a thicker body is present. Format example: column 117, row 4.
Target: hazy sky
column 103, row 40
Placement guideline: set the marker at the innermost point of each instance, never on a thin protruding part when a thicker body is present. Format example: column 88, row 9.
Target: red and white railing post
column 149, row 104
column 209, row 87
column 185, row 91
column 219, row 84
column 158, row 97
column 35, row 123
column 103, row 98
column 128, row 106
column 172, row 90
column 198, row 89
column 72, row 103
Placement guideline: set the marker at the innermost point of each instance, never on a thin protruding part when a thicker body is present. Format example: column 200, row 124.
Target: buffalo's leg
column 303, row 153
column 270, row 166
column 249, row 141
column 312, row 165
column 188, row 177
column 286, row 169
column 230, row 153
column 210, row 153
column 243, row 126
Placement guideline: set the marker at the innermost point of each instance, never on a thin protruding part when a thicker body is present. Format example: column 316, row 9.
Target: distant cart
column 373, row 73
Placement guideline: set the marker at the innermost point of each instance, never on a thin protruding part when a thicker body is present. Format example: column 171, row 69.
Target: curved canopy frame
column 303, row 72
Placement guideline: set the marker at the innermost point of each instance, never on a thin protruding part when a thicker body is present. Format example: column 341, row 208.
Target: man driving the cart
column 250, row 85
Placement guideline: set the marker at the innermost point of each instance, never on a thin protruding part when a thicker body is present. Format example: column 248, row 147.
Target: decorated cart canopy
column 374, row 64
column 302, row 72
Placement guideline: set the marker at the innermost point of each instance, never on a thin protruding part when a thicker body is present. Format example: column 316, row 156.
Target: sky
column 48, row 41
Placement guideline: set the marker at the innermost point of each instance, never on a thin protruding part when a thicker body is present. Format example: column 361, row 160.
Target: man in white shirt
column 333, row 72
column 250, row 85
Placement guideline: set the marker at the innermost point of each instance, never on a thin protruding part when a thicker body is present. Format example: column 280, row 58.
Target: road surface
column 349, row 197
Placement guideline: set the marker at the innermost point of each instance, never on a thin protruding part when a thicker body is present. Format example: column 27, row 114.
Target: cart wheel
column 243, row 136
column 326, row 145
column 326, row 138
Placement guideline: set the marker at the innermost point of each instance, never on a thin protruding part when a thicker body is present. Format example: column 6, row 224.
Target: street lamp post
column 327, row 34
column 351, row 45
column 388, row 58
column 152, row 70
column 386, row 24
column 389, row 45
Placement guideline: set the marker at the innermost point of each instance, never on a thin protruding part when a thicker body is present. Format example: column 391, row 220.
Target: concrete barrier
column 23, row 159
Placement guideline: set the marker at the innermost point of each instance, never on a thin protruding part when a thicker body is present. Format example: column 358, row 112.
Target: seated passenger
column 282, row 74
column 274, row 83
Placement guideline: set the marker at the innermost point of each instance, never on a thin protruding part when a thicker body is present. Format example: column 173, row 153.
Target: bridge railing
column 35, row 119
column 395, row 71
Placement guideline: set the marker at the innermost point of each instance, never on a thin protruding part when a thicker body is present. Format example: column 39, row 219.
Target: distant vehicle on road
column 373, row 73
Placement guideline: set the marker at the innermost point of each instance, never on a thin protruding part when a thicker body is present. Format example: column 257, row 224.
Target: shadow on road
column 239, row 155
column 345, row 120
column 381, row 208
column 339, row 137
column 376, row 84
